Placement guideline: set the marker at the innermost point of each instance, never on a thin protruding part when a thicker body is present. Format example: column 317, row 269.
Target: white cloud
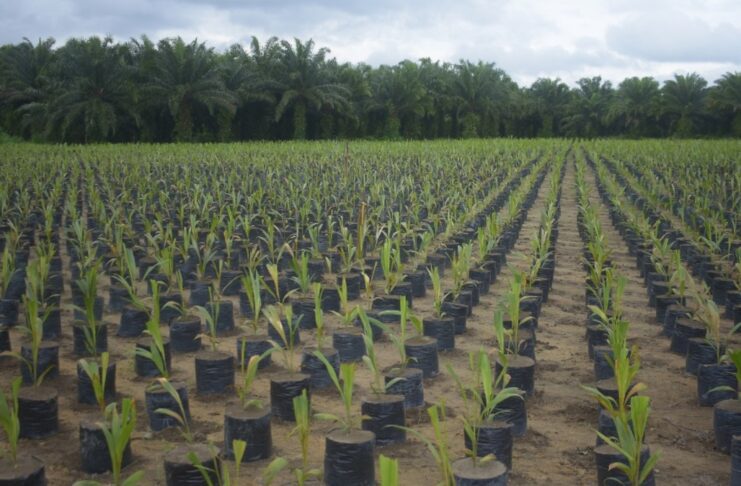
column 527, row 38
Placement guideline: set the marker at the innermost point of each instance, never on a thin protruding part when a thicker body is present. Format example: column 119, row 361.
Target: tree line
column 96, row 90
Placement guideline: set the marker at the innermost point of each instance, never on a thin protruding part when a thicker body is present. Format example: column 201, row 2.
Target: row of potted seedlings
column 710, row 251
column 484, row 396
column 689, row 315
column 494, row 408
column 494, row 401
column 621, row 455
column 704, row 203
column 129, row 270
column 91, row 338
column 417, row 358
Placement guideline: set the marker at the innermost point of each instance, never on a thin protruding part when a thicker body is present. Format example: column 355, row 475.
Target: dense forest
column 95, row 90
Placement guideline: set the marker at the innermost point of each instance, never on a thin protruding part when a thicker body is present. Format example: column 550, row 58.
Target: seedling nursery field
column 525, row 312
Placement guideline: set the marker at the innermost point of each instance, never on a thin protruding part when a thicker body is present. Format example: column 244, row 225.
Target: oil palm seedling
column 309, row 362
column 285, row 329
column 382, row 408
column 520, row 366
column 438, row 446
column 273, row 286
column 461, row 262
column 252, row 284
column 118, row 428
column 210, row 317
column 348, row 450
column 421, row 349
column 348, row 339
column 370, row 359
column 96, row 385
column 634, row 460
column 438, row 294
column 40, row 288
column 92, row 332
column 344, row 384
column 180, row 413
column 347, row 252
column 391, row 266
column 135, row 314
column 488, row 235
column 269, row 239
column 727, row 413
column 625, row 364
column 302, row 431
column 214, row 368
column 38, row 358
column 9, row 419
column 440, row 326
column 214, row 472
column 185, row 324
column 257, row 343
column 289, row 384
column 155, row 349
column 220, row 307
column 706, row 356
column 8, row 305
column 405, row 377
column 368, row 287
column 100, row 377
column 302, row 276
column 486, row 438
column 248, row 421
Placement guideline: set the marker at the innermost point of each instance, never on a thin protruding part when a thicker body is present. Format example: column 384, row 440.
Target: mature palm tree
column 155, row 124
column 474, row 88
column 255, row 87
column 684, row 98
column 96, row 98
column 183, row 79
column 304, row 85
column 26, row 84
column 400, row 97
column 588, row 108
column 357, row 80
column 636, row 106
column 549, row 99
column 345, row 121
column 241, row 77
column 263, row 67
column 725, row 97
column 438, row 81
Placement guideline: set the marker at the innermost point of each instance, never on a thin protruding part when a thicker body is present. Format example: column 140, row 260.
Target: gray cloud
column 675, row 37
column 527, row 38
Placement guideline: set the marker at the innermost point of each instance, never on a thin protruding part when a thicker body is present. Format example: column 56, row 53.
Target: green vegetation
column 96, row 90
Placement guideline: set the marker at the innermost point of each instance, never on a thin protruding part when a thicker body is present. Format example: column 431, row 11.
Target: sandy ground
column 557, row 449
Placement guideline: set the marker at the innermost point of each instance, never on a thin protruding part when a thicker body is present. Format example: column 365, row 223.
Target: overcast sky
column 527, row 38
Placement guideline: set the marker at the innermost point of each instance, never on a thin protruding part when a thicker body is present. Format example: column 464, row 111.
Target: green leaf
column 170, row 413
column 327, row 416
column 239, row 447
column 134, row 479
column 273, row 469
column 649, row 466
column 389, row 471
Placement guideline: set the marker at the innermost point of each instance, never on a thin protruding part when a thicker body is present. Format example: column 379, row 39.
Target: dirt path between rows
column 556, row 449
